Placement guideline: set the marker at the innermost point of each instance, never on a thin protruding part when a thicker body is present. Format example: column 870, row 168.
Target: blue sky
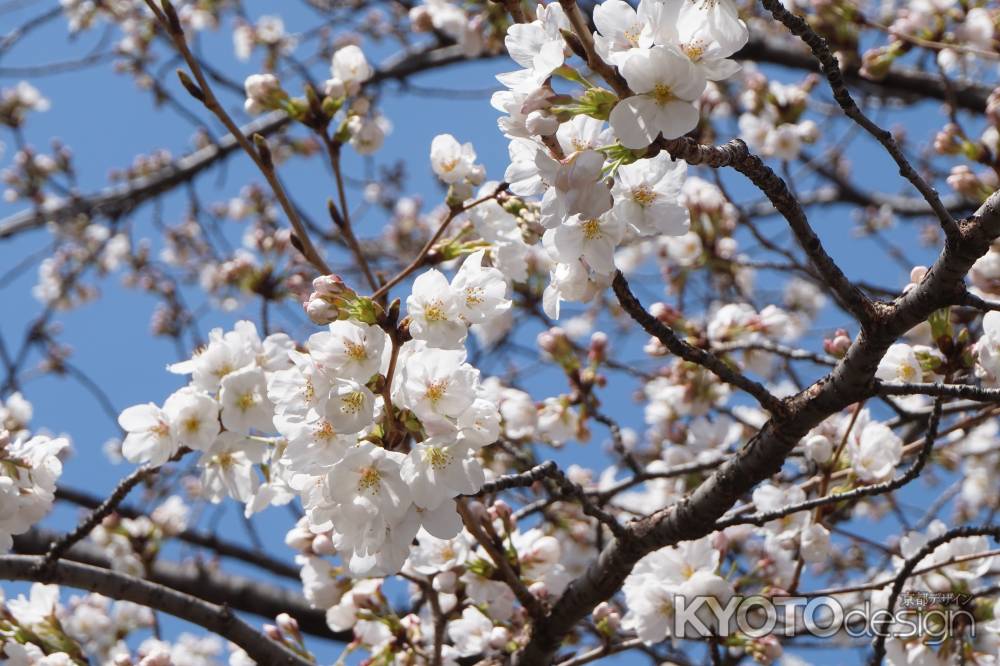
column 106, row 122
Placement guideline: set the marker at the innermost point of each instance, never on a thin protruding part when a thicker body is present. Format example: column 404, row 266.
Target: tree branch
column 195, row 538
column 217, row 619
column 102, row 511
column 688, row 352
column 122, row 199
column 912, row 472
column 900, row 82
column 200, row 580
column 944, row 390
column 911, row 563
column 852, row 379
column 735, row 154
column 831, row 69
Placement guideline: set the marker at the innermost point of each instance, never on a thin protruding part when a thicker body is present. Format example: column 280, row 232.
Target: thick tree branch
column 912, row 472
column 217, row 619
column 203, row 581
column 966, row 391
column 851, row 380
column 735, row 154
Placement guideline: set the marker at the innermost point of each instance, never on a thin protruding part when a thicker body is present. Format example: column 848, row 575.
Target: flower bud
column 320, row 311
column 838, row 345
column 322, row 544
column 501, row 510
column 361, row 106
column 963, row 181
column 539, row 589
column 335, row 88
column 288, row 624
column 818, row 448
column 499, row 637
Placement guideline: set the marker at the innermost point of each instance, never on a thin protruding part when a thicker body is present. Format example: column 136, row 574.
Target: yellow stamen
column 370, row 481
column 325, row 431
column 662, row 94
column 352, row 402
column 644, row 195
column 434, row 311
column 591, row 229
column 437, row 457
column 355, row 351
column 436, row 390
column 245, row 402
column 474, row 296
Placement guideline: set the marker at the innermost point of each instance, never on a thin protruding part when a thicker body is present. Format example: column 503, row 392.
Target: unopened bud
column 501, row 510
column 818, row 448
column 273, row 633
column 963, row 181
column 287, row 624
column 322, row 544
column 838, row 345
column 299, row 538
column 190, row 86
column 499, row 637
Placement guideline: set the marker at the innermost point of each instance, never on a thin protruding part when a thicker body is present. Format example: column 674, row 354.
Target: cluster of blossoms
column 133, row 544
column 772, row 123
column 360, row 124
column 344, row 409
column 689, row 570
column 452, row 20
column 376, row 425
column 268, row 32
column 463, row 577
column 596, row 194
column 29, row 468
column 959, row 30
column 17, row 102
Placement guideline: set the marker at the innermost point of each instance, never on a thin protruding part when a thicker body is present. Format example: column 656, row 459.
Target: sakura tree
column 617, row 400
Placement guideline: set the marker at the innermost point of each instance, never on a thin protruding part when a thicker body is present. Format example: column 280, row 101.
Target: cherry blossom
column 666, row 85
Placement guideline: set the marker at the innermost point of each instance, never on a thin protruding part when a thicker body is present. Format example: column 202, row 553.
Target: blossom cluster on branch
column 765, row 423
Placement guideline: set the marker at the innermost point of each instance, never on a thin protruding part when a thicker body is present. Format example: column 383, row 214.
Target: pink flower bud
column 273, row 633
column 502, row 510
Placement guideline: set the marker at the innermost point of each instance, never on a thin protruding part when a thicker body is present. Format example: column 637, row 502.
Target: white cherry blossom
column 435, row 311
column 647, row 196
column 666, row 86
